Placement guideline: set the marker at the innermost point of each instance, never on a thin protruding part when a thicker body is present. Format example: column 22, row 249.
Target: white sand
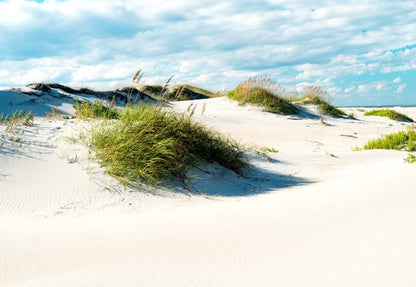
column 305, row 218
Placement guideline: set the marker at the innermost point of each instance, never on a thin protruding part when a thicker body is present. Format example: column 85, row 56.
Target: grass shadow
column 216, row 181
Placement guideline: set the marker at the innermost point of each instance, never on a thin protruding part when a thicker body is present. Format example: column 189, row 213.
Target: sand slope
column 314, row 214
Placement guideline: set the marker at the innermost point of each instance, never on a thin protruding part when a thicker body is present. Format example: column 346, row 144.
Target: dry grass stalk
column 134, row 83
column 55, row 114
column 192, row 111
column 166, row 85
column 113, row 102
column 189, row 107
column 263, row 82
column 179, row 93
column 315, row 91
column 203, row 109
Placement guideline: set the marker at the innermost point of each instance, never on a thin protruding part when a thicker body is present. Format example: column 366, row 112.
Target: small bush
column 391, row 114
column 261, row 90
column 151, row 144
column 402, row 140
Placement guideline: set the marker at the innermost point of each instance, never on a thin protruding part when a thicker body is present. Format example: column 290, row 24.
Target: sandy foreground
column 315, row 213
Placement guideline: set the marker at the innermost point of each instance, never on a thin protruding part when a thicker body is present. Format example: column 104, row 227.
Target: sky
column 362, row 52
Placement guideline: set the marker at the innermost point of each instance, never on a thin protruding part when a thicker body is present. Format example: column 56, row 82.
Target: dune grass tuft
column 84, row 110
column 316, row 95
column 402, row 140
column 152, row 144
column 411, row 158
column 18, row 117
column 176, row 93
column 391, row 114
column 261, row 90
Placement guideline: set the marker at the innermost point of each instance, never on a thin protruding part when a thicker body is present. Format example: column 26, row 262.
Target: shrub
column 261, row 90
column 151, row 144
column 391, row 114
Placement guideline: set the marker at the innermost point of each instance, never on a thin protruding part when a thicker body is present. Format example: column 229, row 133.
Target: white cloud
column 362, row 88
column 218, row 43
column 401, row 88
column 397, row 80
column 347, row 90
column 379, row 87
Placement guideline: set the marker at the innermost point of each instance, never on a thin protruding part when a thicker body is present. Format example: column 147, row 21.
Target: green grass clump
column 401, row 140
column 261, row 90
column 152, row 90
column 391, row 114
column 187, row 92
column 86, row 110
column 318, row 96
column 177, row 92
column 151, row 144
column 411, row 158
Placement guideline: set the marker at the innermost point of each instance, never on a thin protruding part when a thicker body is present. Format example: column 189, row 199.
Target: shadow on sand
column 257, row 180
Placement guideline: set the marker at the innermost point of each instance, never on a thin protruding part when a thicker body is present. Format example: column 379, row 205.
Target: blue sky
column 363, row 52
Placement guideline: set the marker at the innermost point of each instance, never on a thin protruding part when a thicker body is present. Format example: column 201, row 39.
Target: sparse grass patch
column 18, row 117
column 261, row 90
column 411, row 158
column 269, row 149
column 402, row 140
column 13, row 133
column 391, row 114
column 151, row 144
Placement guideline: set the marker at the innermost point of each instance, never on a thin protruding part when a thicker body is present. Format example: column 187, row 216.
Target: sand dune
column 315, row 214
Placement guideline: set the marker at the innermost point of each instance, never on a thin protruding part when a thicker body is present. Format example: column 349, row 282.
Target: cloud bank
column 364, row 52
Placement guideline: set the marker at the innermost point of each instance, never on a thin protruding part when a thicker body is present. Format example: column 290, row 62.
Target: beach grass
column 176, row 93
column 313, row 94
column 84, row 110
column 261, row 90
column 391, row 114
column 402, row 140
column 148, row 143
column 17, row 117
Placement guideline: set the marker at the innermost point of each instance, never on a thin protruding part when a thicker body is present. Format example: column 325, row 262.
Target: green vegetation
column 14, row 133
column 318, row 96
column 402, row 140
column 95, row 110
column 151, row 144
column 151, row 90
column 187, row 92
column 17, row 117
column 411, row 158
column 261, row 90
column 390, row 114
column 269, row 149
column 177, row 92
